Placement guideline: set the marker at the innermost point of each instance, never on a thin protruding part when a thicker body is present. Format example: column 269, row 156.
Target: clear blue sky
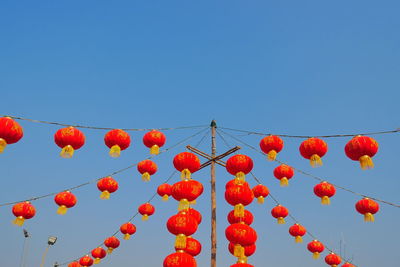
column 296, row 67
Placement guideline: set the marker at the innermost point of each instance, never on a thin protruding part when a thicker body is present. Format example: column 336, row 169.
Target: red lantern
column 65, row 200
column 127, row 229
column 362, row 149
column 193, row 247
column 154, row 140
column 194, row 213
column 283, row 173
column 179, row 259
column 186, row 192
column 315, row 247
column 111, row 243
column 333, row 260
column 241, row 264
column 241, row 235
column 368, row 207
column 146, row 210
column 107, row 186
column 313, row 149
column 10, row 132
column 325, row 191
column 74, row 264
column 69, row 139
column 164, row 191
column 280, row 212
column 147, row 168
column 117, row 140
column 260, row 192
column 86, row 261
column 248, row 250
column 347, row 264
column 239, row 165
column 239, row 196
column 23, row 211
column 297, row 231
column 247, row 218
column 182, row 225
column 236, row 181
column 187, row 163
column 98, row 254
column 271, row 145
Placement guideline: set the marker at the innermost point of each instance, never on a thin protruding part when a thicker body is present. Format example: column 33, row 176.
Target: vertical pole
column 213, row 198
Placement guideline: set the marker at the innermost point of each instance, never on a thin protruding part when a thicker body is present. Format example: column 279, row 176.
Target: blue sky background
column 293, row 67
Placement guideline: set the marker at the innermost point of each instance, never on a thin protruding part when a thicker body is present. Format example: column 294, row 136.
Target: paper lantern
column 187, row 163
column 74, row 264
column 283, row 173
column 236, row 181
column 260, row 192
column 313, row 149
column 111, row 243
column 241, row 264
column 239, row 165
column 127, row 229
column 10, row 132
column 316, row 248
column 146, row 210
column 147, row 168
column 23, row 211
column 247, row 218
column 182, row 225
column 65, row 200
column 239, row 196
column 332, row 259
column 194, row 213
column 164, row 191
column 69, row 139
column 240, row 233
column 297, row 231
column 325, row 191
column 347, row 264
column 368, row 208
column 86, row 261
column 179, row 259
column 271, row 145
column 117, row 140
column 280, row 213
column 248, row 250
column 193, row 247
column 98, row 254
column 154, row 140
column 186, row 192
column 107, row 186
column 362, row 149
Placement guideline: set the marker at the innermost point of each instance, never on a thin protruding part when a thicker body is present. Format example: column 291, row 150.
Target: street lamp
column 50, row 242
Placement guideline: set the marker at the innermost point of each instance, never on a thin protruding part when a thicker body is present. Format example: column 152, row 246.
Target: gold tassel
column 369, row 217
column 3, row 145
column 67, row 152
column 180, row 241
column 315, row 255
column 97, row 261
column 105, row 195
column 315, row 161
column 325, row 200
column 298, row 239
column 165, row 198
column 184, row 204
column 260, row 200
column 185, row 174
column 62, row 210
column 145, row 217
column 109, row 250
column 146, row 177
column 242, row 259
column 334, row 265
column 127, row 236
column 19, row 221
column 366, row 162
column 241, row 176
column 238, row 251
column 284, row 182
column 281, row 220
column 155, row 150
column 271, row 155
column 238, row 211
column 115, row 151
column 194, row 202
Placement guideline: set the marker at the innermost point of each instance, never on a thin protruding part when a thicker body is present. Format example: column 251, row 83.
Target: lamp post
column 50, row 242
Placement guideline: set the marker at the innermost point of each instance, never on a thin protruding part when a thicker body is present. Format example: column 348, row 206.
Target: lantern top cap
column 213, row 123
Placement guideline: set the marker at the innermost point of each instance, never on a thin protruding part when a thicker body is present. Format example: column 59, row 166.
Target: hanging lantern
column 332, row 259
column 260, row 192
column 23, row 211
column 74, row 264
column 117, row 140
column 313, row 149
column 154, row 140
column 86, row 261
column 186, row 192
column 187, row 163
column 164, row 191
column 325, row 191
column 147, row 168
column 247, row 218
column 69, row 139
column 111, row 243
column 316, row 248
column 182, row 225
column 280, row 212
column 193, row 247
column 65, row 200
column 362, row 149
column 297, row 231
column 368, row 208
column 347, row 264
column 98, row 254
column 236, row 181
column 127, row 229
column 283, row 173
column 146, row 210
column 271, row 145
column 242, row 264
column 241, row 235
column 248, row 250
column 194, row 213
column 239, row 165
column 10, row 132
column 179, row 259
column 239, row 196
column 107, row 186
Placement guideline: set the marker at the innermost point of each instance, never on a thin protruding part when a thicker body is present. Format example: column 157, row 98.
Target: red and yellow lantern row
column 10, row 132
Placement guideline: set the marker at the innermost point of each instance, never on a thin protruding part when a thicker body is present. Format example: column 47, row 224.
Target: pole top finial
column 213, row 123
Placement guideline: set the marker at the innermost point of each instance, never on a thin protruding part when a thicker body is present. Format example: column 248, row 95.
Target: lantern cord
column 111, row 174
column 313, row 176
column 102, row 128
column 309, row 136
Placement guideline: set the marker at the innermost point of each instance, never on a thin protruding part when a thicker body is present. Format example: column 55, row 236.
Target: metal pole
column 213, row 198
column 44, row 255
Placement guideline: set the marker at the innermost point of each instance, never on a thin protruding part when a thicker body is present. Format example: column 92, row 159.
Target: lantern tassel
column 185, row 174
column 19, row 221
column 242, row 259
column 155, row 150
column 260, row 200
column 67, row 152
column 325, row 200
column 271, row 156
column 241, row 176
column 194, row 202
column 105, row 194
column 184, row 204
column 281, row 220
column 97, row 261
column 180, row 241
column 145, row 217
column 238, row 251
column 315, row 161
column 366, row 162
column 127, row 236
column 115, row 151
column 146, row 177
column 238, row 211
column 3, row 145
column 284, row 182
column 369, row 217
column 110, row 250
column 298, row 239
column 62, row 210
column 165, row 198
column 315, row 255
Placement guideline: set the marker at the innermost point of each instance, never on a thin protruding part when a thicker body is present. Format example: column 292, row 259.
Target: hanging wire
column 102, row 128
column 315, row 177
column 111, row 174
